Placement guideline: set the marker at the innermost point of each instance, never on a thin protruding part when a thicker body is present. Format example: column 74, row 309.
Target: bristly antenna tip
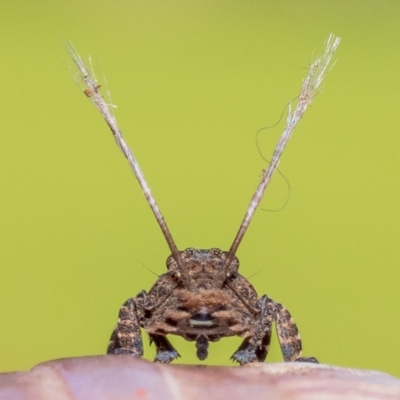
column 316, row 72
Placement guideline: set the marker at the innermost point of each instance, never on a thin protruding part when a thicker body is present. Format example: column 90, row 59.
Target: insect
column 203, row 301
column 202, row 297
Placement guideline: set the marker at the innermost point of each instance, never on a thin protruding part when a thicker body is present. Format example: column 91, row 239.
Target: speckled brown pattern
column 205, row 311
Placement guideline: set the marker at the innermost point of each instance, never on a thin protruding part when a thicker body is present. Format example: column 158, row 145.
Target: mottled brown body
column 204, row 311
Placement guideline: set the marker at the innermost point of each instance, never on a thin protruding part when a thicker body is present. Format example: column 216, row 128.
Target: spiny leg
column 262, row 351
column 267, row 307
column 165, row 351
column 255, row 348
column 126, row 337
column 289, row 336
column 246, row 353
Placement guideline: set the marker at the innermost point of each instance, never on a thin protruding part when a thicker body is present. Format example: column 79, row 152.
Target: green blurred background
column 194, row 81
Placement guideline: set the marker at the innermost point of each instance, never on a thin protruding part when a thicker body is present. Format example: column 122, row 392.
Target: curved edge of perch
column 124, row 377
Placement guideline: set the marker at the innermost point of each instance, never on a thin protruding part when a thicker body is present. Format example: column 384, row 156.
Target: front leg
column 255, row 347
column 126, row 337
column 289, row 336
column 165, row 351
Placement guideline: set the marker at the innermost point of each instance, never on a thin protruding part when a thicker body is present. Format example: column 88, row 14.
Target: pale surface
column 123, row 377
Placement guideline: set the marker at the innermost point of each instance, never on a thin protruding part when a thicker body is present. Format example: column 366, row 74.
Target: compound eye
column 187, row 253
column 234, row 264
column 170, row 260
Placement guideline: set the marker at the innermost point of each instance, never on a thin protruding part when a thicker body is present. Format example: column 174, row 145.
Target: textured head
column 204, row 267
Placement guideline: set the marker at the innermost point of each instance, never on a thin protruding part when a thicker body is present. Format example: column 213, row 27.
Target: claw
column 165, row 357
column 246, row 355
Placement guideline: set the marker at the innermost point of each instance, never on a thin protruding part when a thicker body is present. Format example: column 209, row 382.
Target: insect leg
column 255, row 347
column 126, row 337
column 246, row 353
column 289, row 336
column 165, row 351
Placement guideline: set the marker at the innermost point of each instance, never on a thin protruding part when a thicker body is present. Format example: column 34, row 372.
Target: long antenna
column 93, row 93
column 309, row 89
